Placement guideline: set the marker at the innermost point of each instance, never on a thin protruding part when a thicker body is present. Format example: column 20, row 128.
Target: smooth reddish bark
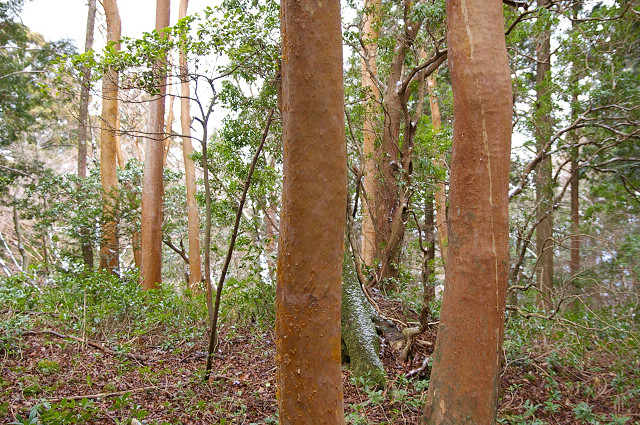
column 464, row 380
column 153, row 183
column 309, row 270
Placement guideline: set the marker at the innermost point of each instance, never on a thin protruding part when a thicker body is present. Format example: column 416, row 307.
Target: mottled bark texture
column 309, row 269
column 361, row 343
column 465, row 375
column 544, row 170
column 108, row 147
column 195, row 262
column 370, row 33
column 153, row 183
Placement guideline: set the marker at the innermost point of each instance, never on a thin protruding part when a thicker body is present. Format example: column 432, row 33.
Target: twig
column 414, row 372
column 112, row 394
column 91, row 343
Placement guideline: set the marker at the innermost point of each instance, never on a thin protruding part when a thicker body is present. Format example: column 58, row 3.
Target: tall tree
column 544, row 171
column 370, row 33
column 108, row 145
column 313, row 215
column 465, row 375
column 195, row 271
column 83, row 122
column 153, row 184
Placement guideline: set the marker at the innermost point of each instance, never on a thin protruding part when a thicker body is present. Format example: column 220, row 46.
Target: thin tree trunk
column 213, row 335
column 83, row 125
column 312, row 225
column 195, row 262
column 168, row 128
column 428, row 257
column 153, row 183
column 575, row 178
column 16, row 224
column 441, row 187
column 370, row 33
column 85, row 95
column 543, row 180
column 108, row 148
column 465, row 376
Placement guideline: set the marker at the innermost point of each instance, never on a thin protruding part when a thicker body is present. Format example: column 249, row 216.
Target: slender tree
column 370, row 33
column 313, row 216
column 153, row 184
column 195, row 271
column 441, row 186
column 544, row 170
column 108, row 146
column 465, row 375
column 83, row 121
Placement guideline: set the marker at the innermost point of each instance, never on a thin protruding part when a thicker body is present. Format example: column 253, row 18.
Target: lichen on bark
column 360, row 340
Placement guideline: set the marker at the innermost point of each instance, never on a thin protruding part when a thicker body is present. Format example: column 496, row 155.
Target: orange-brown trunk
column 313, row 216
column 465, row 374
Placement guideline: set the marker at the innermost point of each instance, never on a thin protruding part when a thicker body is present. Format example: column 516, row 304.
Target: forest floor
column 60, row 376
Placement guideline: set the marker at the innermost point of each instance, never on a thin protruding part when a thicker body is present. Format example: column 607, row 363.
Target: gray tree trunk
column 360, row 340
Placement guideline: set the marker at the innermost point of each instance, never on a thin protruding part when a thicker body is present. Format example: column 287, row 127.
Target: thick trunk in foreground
column 465, row 374
column 544, row 171
column 153, row 184
column 195, row 271
column 108, row 148
column 370, row 33
column 83, row 123
column 312, row 226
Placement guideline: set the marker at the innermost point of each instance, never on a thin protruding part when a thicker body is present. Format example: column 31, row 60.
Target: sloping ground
column 106, row 388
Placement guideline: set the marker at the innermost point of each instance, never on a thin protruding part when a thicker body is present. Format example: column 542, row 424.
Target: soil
column 167, row 386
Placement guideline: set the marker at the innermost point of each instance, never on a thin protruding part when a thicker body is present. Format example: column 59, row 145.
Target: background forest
column 141, row 193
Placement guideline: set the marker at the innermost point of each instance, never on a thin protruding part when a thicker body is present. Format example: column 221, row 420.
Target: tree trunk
column 308, row 296
column 195, row 263
column 465, row 375
column 168, row 127
column 153, row 183
column 575, row 182
column 428, row 258
column 20, row 239
column 108, row 148
column 83, row 124
column 361, row 341
column 544, row 188
column 370, row 33
column 441, row 187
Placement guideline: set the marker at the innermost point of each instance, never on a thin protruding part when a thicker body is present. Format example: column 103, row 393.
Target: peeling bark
column 310, row 252
column 465, row 376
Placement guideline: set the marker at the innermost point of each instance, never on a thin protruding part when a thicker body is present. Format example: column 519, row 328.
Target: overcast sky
column 58, row 19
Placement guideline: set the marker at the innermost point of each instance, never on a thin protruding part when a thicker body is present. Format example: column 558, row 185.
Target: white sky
column 67, row 19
